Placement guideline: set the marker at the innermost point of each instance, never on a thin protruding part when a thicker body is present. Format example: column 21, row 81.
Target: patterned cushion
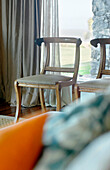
column 68, row 133
column 96, row 156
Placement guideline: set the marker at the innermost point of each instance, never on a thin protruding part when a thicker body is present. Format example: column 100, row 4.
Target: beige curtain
column 19, row 25
column 50, row 28
column 19, row 55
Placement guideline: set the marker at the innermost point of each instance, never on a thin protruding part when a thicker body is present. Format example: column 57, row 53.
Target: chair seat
column 48, row 79
column 97, row 83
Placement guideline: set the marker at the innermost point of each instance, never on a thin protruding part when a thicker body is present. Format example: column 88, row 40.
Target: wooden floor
column 6, row 109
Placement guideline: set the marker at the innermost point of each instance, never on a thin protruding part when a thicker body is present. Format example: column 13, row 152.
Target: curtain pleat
column 19, row 54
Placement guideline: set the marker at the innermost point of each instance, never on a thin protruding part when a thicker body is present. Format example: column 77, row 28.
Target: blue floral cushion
column 67, row 133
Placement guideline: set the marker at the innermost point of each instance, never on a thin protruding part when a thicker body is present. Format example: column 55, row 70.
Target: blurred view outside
column 75, row 19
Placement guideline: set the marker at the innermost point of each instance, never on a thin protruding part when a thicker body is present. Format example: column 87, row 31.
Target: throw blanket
column 67, row 133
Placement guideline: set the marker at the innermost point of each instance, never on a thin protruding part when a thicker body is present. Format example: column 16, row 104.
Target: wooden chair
column 50, row 81
column 99, row 84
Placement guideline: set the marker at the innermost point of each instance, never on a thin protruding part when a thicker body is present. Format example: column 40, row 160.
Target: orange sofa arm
column 21, row 144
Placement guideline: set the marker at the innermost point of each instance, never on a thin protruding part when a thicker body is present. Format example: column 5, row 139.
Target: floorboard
column 6, row 109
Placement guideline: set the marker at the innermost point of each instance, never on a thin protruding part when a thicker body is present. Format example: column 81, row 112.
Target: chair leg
column 18, row 100
column 42, row 99
column 58, row 97
column 73, row 93
column 77, row 92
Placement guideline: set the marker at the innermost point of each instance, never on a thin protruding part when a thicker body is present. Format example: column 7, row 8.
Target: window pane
column 76, row 21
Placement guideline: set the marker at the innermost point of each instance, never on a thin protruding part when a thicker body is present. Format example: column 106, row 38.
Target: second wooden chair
column 99, row 84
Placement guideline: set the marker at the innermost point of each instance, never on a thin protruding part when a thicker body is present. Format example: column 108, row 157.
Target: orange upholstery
column 21, row 144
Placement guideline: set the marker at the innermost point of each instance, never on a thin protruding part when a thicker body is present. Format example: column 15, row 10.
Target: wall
column 101, row 29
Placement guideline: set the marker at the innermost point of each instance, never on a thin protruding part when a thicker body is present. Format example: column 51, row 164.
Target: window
column 75, row 20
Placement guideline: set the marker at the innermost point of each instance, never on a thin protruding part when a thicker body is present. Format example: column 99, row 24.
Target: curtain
column 50, row 28
column 0, row 55
column 19, row 55
column 20, row 23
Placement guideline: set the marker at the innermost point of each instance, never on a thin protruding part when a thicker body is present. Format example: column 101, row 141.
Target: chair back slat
column 97, row 41
column 61, row 40
column 39, row 41
column 60, row 69
column 106, row 72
